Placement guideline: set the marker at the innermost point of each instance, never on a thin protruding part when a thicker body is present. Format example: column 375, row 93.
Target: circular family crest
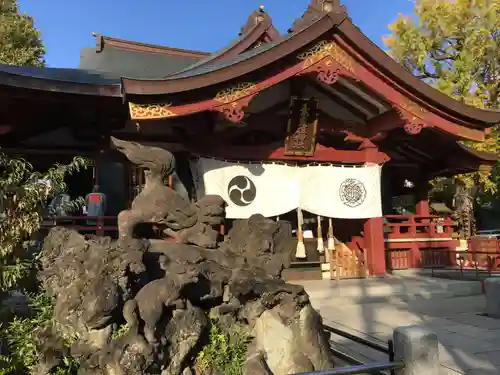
column 241, row 191
column 352, row 192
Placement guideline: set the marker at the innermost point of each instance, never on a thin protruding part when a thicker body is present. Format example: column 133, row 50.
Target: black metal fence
column 469, row 264
column 372, row 368
column 357, row 366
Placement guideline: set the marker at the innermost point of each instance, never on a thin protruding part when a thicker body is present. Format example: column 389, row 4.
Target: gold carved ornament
column 232, row 108
column 235, row 93
column 411, row 112
column 150, row 111
column 327, row 50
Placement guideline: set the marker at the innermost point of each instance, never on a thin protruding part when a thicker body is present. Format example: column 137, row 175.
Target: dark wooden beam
column 277, row 152
column 323, row 90
column 355, row 98
column 383, row 123
column 23, row 133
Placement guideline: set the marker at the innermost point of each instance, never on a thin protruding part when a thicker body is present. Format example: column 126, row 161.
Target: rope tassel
column 300, row 253
column 321, row 245
column 331, row 240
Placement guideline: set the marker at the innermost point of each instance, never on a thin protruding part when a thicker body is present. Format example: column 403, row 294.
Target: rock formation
column 137, row 306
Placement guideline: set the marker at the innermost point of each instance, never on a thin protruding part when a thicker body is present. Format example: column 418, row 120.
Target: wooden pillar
column 375, row 245
column 374, row 227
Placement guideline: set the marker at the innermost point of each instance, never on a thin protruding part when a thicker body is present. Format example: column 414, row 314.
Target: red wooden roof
column 361, row 70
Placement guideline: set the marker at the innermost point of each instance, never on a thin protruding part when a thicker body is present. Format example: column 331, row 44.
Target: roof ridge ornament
column 256, row 17
column 315, row 10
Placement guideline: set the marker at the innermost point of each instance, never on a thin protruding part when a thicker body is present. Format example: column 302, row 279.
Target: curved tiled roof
column 203, row 70
column 145, row 61
column 226, row 69
column 60, row 80
column 238, row 46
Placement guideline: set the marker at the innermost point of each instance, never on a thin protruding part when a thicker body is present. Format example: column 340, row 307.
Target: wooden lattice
column 346, row 263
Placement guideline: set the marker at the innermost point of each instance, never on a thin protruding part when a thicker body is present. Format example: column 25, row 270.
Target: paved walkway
column 469, row 342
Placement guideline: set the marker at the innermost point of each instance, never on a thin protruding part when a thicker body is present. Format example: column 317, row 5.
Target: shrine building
column 316, row 125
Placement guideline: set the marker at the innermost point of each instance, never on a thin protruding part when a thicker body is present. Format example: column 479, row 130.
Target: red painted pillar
column 373, row 230
column 375, row 245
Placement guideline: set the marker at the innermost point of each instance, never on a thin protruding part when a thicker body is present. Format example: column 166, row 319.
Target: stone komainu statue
column 139, row 307
column 187, row 222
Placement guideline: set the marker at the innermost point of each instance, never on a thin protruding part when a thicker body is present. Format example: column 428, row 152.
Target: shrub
column 23, row 194
column 226, row 350
column 20, row 336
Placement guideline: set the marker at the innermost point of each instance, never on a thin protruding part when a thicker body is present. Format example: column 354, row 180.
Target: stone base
column 492, row 293
column 417, row 347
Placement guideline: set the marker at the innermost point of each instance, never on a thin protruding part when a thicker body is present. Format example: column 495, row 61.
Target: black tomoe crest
column 241, row 191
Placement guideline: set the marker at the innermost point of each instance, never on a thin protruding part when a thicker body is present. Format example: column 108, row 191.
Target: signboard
column 302, row 127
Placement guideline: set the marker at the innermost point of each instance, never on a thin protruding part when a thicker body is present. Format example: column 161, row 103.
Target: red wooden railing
column 407, row 235
column 415, row 226
column 98, row 225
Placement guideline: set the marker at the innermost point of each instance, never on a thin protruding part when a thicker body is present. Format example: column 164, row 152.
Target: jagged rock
column 183, row 333
column 144, row 306
column 99, row 283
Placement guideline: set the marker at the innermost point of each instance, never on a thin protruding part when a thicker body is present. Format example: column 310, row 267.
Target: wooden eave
column 258, row 29
column 400, row 77
column 287, row 46
column 389, row 83
column 55, row 85
column 127, row 45
column 482, row 157
column 437, row 154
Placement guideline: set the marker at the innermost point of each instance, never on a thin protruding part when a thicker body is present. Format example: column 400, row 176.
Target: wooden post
column 373, row 227
column 375, row 245
column 337, row 268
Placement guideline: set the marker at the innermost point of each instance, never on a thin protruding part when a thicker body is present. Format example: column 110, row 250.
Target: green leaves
column 455, row 47
column 226, row 350
column 21, row 336
column 23, row 194
column 20, row 41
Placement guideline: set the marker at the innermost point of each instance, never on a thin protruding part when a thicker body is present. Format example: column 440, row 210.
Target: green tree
column 20, row 42
column 455, row 47
column 23, row 194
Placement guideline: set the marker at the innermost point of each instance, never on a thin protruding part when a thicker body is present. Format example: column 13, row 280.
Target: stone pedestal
column 417, row 347
column 492, row 292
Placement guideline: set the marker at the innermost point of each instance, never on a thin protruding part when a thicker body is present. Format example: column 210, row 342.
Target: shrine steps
column 303, row 271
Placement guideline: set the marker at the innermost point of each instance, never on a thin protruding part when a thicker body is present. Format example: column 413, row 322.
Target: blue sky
column 206, row 25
